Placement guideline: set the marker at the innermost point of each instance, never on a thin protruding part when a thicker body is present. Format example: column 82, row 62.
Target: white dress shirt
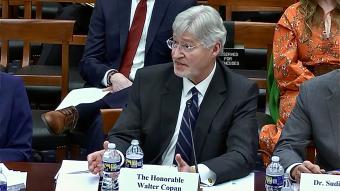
column 138, row 61
column 207, row 176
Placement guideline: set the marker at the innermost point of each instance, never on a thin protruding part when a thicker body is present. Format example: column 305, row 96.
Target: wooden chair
column 6, row 7
column 311, row 153
column 256, row 35
column 109, row 116
column 250, row 5
column 44, row 31
column 76, row 39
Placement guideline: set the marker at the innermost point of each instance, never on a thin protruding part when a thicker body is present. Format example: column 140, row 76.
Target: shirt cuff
column 289, row 169
column 104, row 80
column 207, row 176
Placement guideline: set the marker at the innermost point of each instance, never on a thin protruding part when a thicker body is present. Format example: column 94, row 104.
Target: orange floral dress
column 294, row 60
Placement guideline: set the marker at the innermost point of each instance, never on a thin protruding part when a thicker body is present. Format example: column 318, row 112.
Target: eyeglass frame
column 181, row 46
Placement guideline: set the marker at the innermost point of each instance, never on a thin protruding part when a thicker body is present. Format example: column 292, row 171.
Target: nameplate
column 154, row 177
column 232, row 57
column 319, row 182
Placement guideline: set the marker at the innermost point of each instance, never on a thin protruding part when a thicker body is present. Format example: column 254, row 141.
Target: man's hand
column 305, row 167
column 95, row 159
column 182, row 166
column 119, row 82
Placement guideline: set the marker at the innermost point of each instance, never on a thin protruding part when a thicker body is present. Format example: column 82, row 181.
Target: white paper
column 83, row 180
column 69, row 166
column 319, row 182
column 82, row 95
column 242, row 184
column 14, row 178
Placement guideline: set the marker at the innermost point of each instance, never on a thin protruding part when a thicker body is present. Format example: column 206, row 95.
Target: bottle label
column 3, row 187
column 111, row 167
column 274, row 181
column 133, row 163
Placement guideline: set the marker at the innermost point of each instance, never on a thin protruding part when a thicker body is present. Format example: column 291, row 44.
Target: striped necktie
column 184, row 141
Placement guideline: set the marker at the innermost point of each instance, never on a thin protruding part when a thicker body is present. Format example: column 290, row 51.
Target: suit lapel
column 159, row 10
column 213, row 99
column 170, row 102
column 333, row 102
column 124, row 22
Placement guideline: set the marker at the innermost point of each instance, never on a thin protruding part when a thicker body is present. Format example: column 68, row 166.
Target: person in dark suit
column 315, row 118
column 15, row 120
column 224, row 129
column 105, row 50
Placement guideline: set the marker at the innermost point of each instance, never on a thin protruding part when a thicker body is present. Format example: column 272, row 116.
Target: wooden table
column 40, row 176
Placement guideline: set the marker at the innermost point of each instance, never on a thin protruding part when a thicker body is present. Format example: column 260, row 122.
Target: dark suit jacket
column 108, row 33
column 225, row 136
column 316, row 117
column 15, row 120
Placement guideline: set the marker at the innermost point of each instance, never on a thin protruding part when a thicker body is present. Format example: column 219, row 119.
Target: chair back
column 76, row 39
column 109, row 116
column 42, row 31
column 311, row 153
column 250, row 5
column 255, row 35
column 5, row 6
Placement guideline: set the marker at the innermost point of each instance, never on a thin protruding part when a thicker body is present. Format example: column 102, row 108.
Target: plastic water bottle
column 134, row 155
column 287, row 184
column 3, row 181
column 111, row 167
column 274, row 175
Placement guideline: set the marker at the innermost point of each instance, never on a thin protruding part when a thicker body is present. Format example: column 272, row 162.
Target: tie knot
column 194, row 91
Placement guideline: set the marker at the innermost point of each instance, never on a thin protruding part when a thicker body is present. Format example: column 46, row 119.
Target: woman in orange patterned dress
column 306, row 43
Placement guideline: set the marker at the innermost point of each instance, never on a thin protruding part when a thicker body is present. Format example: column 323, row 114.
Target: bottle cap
column 134, row 142
column 111, row 146
column 275, row 159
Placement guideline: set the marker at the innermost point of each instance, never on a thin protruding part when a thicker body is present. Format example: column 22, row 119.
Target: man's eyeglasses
column 185, row 47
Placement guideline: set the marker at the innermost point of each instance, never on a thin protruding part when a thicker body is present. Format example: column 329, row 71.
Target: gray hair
column 204, row 22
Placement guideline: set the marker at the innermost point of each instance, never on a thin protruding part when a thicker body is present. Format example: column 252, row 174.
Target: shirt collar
column 201, row 87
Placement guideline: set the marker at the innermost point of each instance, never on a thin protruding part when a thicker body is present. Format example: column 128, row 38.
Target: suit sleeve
column 241, row 142
column 128, row 126
column 19, row 129
column 94, row 65
column 296, row 134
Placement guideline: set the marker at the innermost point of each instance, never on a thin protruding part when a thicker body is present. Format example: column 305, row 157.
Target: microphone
column 192, row 137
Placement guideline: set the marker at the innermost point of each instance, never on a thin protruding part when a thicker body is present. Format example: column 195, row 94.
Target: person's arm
column 207, row 176
column 94, row 64
column 289, row 70
column 94, row 160
column 128, row 125
column 19, row 129
column 305, row 167
column 296, row 135
column 241, row 142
